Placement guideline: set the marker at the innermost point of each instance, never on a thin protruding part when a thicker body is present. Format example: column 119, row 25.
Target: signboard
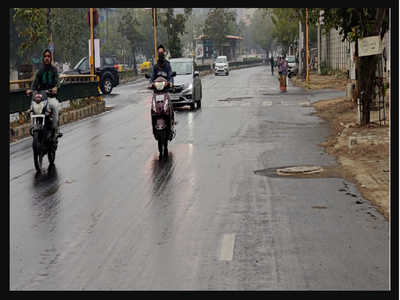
column 95, row 17
column 369, row 46
column 51, row 47
column 199, row 51
column 96, row 52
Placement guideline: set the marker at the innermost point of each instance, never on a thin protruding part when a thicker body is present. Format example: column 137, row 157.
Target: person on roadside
column 272, row 64
column 47, row 78
column 283, row 66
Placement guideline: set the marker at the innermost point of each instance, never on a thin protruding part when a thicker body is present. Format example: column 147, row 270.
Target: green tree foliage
column 219, row 23
column 261, row 28
column 32, row 25
column 175, row 26
column 70, row 34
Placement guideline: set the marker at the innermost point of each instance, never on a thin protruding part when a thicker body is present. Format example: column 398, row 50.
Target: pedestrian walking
column 272, row 65
column 282, row 73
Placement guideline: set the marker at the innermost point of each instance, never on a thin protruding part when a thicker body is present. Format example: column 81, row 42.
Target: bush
column 323, row 68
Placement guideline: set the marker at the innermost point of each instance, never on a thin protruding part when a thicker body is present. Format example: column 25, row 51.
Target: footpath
column 362, row 151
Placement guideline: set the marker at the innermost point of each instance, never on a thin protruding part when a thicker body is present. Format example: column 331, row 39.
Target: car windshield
column 221, row 60
column 77, row 65
column 290, row 59
column 181, row 67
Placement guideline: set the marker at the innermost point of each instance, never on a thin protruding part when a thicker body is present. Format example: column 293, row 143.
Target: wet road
column 112, row 215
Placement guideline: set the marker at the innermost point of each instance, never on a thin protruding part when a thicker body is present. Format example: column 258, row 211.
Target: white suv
column 221, row 65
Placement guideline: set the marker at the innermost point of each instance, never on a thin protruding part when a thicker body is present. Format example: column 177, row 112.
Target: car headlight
column 160, row 85
column 187, row 86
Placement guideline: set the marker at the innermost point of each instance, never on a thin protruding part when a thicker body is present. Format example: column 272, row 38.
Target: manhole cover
column 299, row 170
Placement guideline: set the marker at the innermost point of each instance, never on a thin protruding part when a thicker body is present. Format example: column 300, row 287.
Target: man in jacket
column 47, row 79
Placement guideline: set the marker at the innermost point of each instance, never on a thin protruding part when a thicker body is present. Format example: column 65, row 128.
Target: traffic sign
column 95, row 17
column 51, row 47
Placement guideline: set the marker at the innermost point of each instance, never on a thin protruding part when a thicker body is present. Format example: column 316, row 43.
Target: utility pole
column 91, row 60
column 155, row 33
column 319, row 46
column 308, row 79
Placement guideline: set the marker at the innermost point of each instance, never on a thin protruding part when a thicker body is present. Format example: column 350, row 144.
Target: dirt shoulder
column 362, row 151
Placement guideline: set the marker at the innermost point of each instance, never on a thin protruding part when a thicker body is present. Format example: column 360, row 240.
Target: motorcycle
column 162, row 113
column 44, row 139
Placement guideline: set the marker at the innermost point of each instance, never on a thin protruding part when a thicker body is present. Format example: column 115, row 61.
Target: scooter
column 44, row 139
column 162, row 113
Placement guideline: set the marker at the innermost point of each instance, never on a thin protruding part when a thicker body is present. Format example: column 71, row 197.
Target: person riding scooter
column 163, row 68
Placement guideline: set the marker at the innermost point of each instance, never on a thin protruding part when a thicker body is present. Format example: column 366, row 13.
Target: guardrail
column 73, row 87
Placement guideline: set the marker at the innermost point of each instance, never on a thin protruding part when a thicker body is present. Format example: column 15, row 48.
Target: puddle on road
column 301, row 172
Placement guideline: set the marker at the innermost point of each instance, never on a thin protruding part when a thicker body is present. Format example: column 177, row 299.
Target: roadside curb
column 67, row 117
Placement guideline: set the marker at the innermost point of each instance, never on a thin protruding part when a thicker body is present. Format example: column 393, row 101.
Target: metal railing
column 72, row 87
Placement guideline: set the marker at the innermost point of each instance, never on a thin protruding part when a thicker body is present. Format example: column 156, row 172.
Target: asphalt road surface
column 112, row 214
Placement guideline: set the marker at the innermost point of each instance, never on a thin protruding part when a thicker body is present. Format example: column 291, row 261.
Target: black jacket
column 46, row 78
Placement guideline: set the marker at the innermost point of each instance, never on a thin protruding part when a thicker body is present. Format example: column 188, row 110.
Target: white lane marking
column 245, row 104
column 228, row 242
column 267, row 103
column 305, row 103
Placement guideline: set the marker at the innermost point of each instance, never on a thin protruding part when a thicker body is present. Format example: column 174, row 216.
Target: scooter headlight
column 160, row 85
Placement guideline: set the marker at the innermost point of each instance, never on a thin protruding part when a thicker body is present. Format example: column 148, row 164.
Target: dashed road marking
column 228, row 242
column 267, row 103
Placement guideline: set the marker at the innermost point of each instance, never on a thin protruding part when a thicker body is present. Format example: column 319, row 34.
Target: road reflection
column 45, row 199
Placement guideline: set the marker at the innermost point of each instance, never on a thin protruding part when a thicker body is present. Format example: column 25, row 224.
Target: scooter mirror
column 147, row 76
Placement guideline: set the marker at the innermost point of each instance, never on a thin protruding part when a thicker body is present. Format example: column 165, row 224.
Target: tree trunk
column 367, row 74
column 303, row 52
column 134, row 62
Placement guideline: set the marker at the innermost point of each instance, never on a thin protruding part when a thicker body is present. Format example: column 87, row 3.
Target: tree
column 71, row 41
column 174, row 25
column 32, row 24
column 129, row 29
column 220, row 22
column 261, row 27
column 193, row 29
column 355, row 23
column 245, row 33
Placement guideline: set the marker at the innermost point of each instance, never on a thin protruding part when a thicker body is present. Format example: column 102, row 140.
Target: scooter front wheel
column 160, row 140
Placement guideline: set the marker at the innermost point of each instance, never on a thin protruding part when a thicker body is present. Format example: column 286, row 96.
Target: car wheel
column 106, row 85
